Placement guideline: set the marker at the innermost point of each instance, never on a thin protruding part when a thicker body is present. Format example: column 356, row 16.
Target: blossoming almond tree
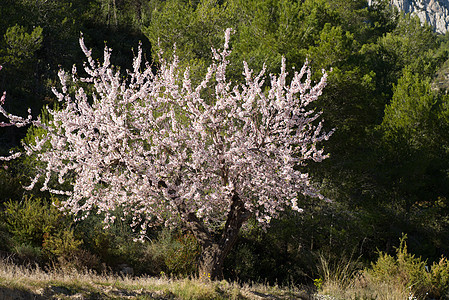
column 208, row 157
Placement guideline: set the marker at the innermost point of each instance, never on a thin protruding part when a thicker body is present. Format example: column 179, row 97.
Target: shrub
column 174, row 252
column 181, row 257
column 41, row 233
column 412, row 273
column 113, row 246
column 27, row 253
column 405, row 270
column 30, row 219
column 65, row 251
column 440, row 279
column 402, row 276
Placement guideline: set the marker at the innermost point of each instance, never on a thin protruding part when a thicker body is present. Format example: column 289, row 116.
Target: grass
column 19, row 282
column 363, row 288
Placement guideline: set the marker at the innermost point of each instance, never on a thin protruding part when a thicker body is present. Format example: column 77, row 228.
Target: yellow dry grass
column 35, row 283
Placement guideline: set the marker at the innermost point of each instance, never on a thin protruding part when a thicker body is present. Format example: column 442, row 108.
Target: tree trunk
column 211, row 262
column 215, row 250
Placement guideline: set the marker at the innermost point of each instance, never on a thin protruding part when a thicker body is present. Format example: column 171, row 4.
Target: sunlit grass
column 63, row 284
column 363, row 288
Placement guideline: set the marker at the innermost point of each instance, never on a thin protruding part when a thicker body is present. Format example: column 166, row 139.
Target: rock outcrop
column 434, row 12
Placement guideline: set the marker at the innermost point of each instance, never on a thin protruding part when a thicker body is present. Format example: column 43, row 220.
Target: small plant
column 27, row 253
column 40, row 233
column 318, row 283
column 339, row 271
column 62, row 243
column 65, row 251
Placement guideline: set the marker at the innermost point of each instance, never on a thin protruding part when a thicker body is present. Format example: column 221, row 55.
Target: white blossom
column 156, row 146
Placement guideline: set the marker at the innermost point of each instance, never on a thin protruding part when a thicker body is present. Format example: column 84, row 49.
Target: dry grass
column 34, row 283
column 363, row 288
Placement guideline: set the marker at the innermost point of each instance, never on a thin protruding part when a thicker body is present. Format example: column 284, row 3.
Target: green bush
column 41, row 233
column 112, row 246
column 405, row 270
column 410, row 272
column 62, row 247
column 440, row 279
column 175, row 253
column 181, row 256
column 30, row 219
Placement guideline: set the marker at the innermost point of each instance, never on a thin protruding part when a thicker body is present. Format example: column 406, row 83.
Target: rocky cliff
column 434, row 12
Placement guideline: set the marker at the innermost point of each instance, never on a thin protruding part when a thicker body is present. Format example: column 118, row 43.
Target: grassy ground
column 18, row 282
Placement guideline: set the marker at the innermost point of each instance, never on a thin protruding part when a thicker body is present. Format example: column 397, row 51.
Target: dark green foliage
column 112, row 246
column 289, row 250
column 10, row 187
column 386, row 97
column 276, row 256
column 20, row 45
column 171, row 252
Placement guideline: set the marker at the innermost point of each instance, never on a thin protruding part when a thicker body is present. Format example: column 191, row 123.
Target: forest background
column 387, row 174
